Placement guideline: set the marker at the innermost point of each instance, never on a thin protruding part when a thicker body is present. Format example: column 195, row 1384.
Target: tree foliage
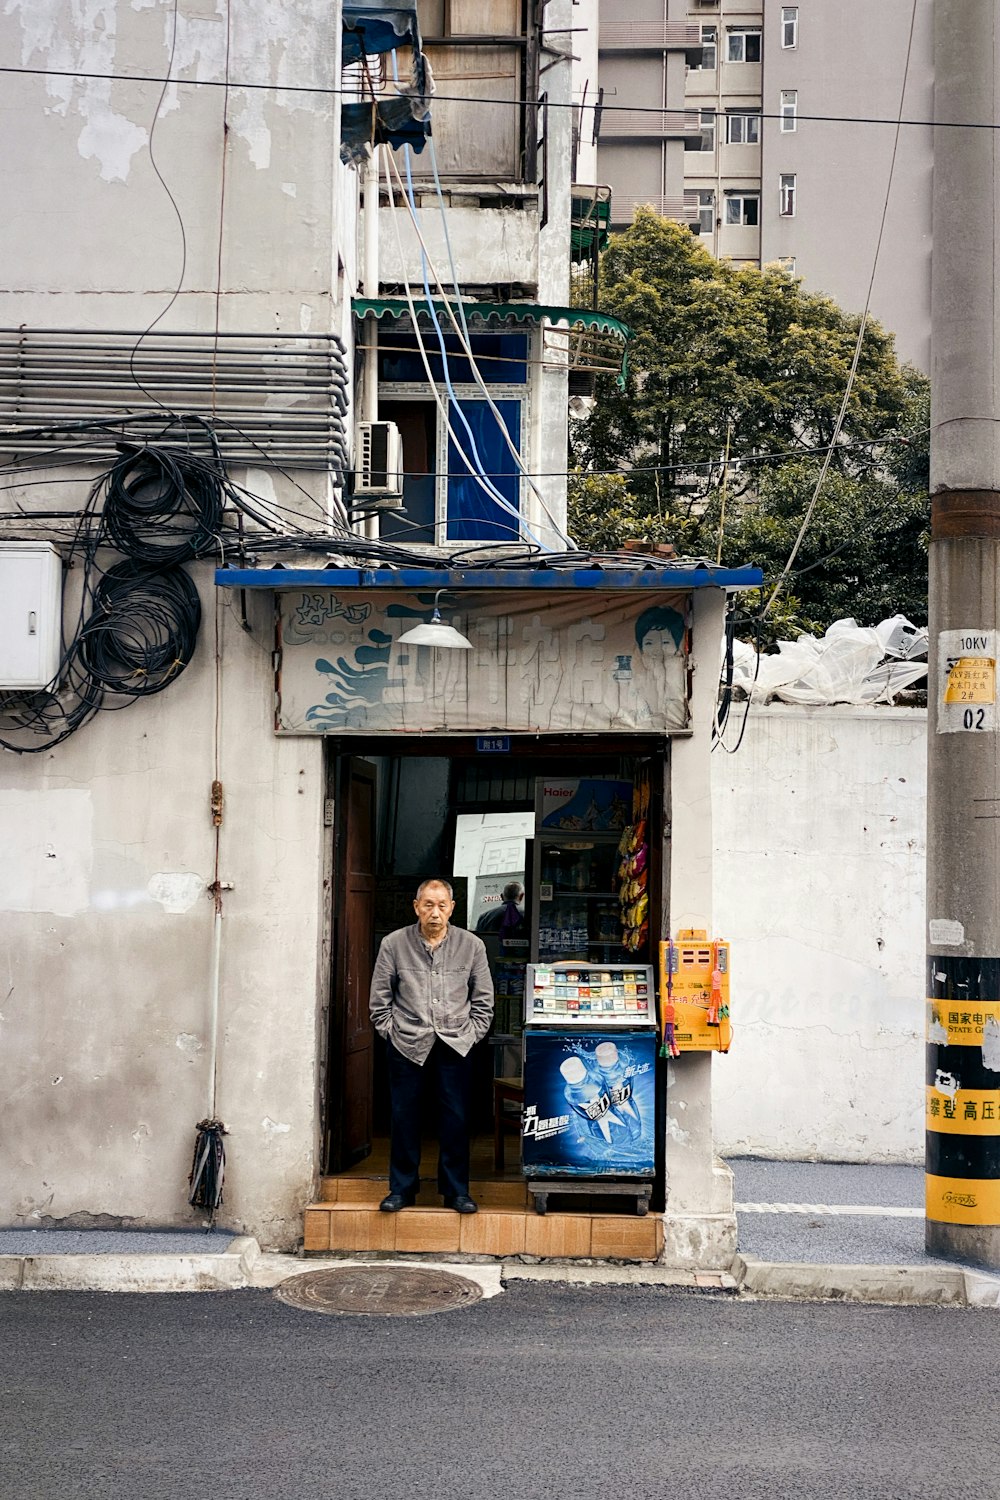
column 736, row 378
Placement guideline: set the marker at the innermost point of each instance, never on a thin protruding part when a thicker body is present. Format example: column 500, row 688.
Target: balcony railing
column 683, row 208
column 650, row 36
column 651, row 124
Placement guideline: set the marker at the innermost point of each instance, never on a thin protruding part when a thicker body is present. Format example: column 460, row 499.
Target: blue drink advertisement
column 588, row 1104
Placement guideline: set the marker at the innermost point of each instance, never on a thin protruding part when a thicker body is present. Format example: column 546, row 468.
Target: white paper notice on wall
column 967, row 681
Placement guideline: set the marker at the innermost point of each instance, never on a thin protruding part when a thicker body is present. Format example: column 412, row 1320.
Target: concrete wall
column 850, row 61
column 819, row 885
column 491, row 246
column 105, row 994
column 106, row 930
column 95, row 239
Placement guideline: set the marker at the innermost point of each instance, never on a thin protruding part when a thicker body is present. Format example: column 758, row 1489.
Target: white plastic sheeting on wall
column 849, row 664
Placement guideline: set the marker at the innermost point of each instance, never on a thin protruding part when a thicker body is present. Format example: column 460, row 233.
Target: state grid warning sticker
column 967, row 681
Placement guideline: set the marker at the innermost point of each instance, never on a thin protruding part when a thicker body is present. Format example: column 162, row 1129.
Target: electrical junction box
column 694, row 992
column 30, row 615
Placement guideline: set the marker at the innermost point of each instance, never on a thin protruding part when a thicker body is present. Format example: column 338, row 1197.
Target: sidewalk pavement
column 806, row 1230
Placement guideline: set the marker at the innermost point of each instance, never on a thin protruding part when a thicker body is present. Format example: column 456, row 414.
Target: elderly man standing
column 432, row 1000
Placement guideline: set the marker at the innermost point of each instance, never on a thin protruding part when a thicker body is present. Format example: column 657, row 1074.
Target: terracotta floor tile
column 622, row 1238
column 427, row 1229
column 357, row 1228
column 494, row 1231
column 316, row 1229
column 557, row 1234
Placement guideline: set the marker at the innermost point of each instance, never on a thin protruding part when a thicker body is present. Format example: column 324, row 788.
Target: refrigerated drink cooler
column 590, row 1046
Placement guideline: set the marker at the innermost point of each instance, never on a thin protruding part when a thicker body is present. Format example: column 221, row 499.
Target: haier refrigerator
column 590, row 1044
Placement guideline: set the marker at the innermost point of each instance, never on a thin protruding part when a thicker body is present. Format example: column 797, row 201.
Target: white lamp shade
column 435, row 633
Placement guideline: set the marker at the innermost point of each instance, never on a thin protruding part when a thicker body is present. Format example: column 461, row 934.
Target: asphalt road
column 543, row 1393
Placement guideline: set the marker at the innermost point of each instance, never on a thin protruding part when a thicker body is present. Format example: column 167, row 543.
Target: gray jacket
column 419, row 993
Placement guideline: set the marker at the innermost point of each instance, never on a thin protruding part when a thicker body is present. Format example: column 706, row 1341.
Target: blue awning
column 370, row 28
column 699, row 576
column 390, row 123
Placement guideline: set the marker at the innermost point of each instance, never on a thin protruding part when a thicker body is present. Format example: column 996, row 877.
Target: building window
column 742, row 129
column 786, row 206
column 789, row 109
column 706, row 211
column 786, row 263
column 743, row 44
column 789, row 25
column 705, row 139
column 743, row 208
column 709, row 47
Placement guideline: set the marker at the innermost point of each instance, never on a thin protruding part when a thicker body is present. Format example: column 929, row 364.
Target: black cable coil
column 161, row 509
column 142, row 631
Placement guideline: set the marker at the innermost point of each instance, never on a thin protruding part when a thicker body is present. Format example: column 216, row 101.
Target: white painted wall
column 96, row 240
column 819, row 886
column 106, row 843
column 490, row 246
column 105, row 973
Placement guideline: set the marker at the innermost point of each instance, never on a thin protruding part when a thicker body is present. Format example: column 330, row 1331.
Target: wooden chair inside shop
column 508, row 1106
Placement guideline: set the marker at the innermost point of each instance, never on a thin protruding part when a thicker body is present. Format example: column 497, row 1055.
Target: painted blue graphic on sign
column 589, row 1104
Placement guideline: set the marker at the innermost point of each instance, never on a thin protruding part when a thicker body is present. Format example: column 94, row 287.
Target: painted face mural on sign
column 539, row 664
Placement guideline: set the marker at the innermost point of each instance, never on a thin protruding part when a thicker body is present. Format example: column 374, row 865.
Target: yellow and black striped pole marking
column 963, row 1091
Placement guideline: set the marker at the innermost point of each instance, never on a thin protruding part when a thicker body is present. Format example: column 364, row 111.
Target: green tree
column 736, row 378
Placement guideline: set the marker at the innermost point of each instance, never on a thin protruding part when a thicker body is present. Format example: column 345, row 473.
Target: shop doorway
column 474, row 818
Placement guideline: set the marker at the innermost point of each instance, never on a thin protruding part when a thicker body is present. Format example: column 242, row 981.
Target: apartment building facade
column 777, row 138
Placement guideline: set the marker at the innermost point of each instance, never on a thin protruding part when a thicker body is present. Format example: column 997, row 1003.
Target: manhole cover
column 382, row 1292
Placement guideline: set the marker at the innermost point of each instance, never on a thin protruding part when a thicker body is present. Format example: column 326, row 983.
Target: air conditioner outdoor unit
column 378, row 465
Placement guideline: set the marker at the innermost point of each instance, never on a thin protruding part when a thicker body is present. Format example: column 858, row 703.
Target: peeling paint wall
column 97, row 238
column 242, row 213
column 819, row 885
column 106, row 973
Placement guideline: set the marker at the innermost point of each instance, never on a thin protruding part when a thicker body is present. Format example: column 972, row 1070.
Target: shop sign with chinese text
column 595, row 662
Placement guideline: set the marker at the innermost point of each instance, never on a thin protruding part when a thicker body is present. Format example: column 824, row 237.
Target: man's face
column 433, row 909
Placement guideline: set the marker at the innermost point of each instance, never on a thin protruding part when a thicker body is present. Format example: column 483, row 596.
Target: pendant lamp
column 434, row 632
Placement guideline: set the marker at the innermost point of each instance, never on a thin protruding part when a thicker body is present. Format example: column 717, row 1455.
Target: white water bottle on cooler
column 618, row 1085
column 587, row 1099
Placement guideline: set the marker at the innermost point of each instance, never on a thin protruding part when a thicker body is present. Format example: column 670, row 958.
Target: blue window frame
column 471, row 514
column 502, row 358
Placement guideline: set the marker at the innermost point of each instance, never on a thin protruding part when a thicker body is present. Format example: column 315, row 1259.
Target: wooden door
column 350, row 1072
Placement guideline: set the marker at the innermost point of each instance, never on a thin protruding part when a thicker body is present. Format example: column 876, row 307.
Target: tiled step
column 488, row 1193
column 345, row 1225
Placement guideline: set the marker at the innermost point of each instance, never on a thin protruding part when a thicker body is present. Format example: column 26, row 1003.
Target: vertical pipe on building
column 963, row 811
column 720, row 56
column 663, row 107
column 763, row 131
column 370, row 284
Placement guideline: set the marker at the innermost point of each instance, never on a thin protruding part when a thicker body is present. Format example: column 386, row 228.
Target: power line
column 605, row 108
column 786, row 571
column 692, row 466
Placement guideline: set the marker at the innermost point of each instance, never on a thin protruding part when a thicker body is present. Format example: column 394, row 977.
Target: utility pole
column 963, row 803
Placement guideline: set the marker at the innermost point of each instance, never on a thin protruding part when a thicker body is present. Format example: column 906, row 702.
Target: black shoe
column 462, row 1204
column 394, row 1202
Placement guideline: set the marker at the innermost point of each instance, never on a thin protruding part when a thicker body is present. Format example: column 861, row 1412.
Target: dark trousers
column 447, row 1074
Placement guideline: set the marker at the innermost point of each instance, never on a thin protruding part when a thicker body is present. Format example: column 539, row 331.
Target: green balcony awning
column 498, row 312
column 590, row 340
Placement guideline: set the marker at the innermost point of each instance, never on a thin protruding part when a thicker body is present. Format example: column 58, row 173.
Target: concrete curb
column 612, row 1275
column 242, row 1266
column 914, row 1286
column 230, row 1270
